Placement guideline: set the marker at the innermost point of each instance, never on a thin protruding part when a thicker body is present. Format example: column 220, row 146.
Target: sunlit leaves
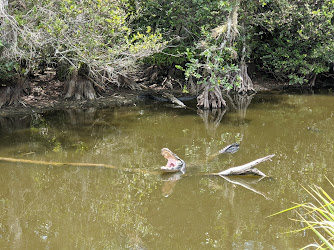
column 294, row 40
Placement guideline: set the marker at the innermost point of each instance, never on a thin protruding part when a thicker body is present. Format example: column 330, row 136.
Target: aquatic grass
column 318, row 216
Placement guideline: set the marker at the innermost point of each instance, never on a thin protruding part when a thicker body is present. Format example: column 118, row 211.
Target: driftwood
column 174, row 100
column 247, row 168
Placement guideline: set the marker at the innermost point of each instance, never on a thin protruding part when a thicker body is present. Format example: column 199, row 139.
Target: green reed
column 318, row 216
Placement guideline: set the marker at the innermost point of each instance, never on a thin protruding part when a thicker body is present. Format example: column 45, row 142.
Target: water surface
column 87, row 207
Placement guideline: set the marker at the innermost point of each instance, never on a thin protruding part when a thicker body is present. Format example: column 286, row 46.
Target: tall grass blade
column 319, row 218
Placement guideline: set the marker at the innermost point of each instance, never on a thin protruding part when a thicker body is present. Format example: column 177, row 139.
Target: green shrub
column 293, row 40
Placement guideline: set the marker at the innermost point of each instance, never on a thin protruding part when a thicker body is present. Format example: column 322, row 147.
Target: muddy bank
column 122, row 98
column 47, row 93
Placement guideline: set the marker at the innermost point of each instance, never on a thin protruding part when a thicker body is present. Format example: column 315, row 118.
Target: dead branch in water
column 174, row 100
column 77, row 164
column 247, row 168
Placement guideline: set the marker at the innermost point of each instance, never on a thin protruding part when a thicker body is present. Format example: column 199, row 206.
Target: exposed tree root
column 79, row 87
column 211, row 98
column 246, row 85
column 128, row 81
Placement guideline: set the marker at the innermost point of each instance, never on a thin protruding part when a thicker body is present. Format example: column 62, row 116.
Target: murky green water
column 70, row 207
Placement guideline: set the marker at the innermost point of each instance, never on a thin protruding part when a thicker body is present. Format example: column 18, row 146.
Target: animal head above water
column 174, row 163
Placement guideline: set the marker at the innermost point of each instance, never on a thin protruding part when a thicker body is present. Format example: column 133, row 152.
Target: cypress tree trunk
column 11, row 93
column 246, row 85
column 79, row 87
column 211, row 98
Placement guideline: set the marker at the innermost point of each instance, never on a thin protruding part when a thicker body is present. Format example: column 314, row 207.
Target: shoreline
column 46, row 93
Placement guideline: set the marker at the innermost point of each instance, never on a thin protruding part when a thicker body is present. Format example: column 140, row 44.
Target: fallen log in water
column 247, row 168
column 174, row 100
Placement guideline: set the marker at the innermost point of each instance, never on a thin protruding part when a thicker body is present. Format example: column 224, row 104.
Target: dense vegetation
column 94, row 43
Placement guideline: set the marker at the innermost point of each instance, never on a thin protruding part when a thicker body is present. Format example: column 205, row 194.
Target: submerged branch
column 77, row 164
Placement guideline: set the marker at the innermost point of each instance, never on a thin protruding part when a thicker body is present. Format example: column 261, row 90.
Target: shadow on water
column 11, row 124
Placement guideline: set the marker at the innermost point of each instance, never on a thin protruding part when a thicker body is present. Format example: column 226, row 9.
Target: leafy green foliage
column 98, row 34
column 182, row 19
column 213, row 59
column 181, row 23
column 293, row 40
column 169, row 56
column 210, row 66
column 7, row 68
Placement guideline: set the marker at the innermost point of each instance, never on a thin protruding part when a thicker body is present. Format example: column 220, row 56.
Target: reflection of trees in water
column 10, row 124
column 240, row 103
column 61, row 132
column 80, row 116
column 211, row 118
column 71, row 116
